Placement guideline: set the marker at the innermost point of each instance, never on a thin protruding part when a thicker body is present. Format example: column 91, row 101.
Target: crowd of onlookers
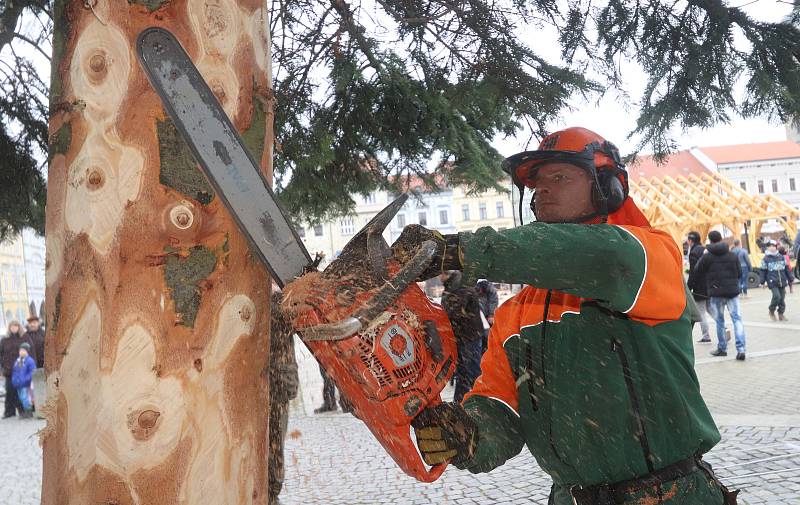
column 718, row 276
column 21, row 353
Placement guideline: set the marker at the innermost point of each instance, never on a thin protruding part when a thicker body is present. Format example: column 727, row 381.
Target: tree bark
column 158, row 338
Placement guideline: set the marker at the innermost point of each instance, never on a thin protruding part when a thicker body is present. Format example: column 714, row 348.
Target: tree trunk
column 158, row 338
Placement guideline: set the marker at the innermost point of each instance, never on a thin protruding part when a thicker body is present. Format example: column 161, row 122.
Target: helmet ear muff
column 609, row 193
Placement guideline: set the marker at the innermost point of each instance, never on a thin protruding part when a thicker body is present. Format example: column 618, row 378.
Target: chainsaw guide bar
column 219, row 150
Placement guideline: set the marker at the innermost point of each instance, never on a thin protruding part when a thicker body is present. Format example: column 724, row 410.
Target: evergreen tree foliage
column 369, row 91
column 24, row 24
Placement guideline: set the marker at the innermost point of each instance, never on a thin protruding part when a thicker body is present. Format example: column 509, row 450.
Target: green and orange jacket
column 591, row 366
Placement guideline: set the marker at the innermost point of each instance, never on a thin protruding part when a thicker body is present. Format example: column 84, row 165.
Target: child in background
column 21, row 379
column 777, row 276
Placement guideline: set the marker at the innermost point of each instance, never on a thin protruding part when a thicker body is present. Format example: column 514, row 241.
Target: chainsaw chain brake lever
column 386, row 294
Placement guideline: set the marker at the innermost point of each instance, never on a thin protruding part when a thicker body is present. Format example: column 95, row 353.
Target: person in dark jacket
column 283, row 386
column 721, row 270
column 782, row 252
column 744, row 263
column 21, row 377
column 777, row 277
column 36, row 334
column 463, row 309
column 697, row 284
column 9, row 353
column 487, row 296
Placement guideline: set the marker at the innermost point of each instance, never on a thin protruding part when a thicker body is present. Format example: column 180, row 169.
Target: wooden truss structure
column 680, row 204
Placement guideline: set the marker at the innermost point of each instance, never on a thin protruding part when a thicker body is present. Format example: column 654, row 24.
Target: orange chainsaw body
column 403, row 353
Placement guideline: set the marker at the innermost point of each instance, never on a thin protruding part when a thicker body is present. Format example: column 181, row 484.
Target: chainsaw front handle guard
column 385, row 296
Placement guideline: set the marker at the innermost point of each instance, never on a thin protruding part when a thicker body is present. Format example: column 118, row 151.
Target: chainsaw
column 388, row 349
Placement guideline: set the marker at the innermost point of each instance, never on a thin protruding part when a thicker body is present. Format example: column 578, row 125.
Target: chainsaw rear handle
column 384, row 297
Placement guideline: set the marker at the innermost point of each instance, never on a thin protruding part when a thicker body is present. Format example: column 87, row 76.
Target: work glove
column 445, row 433
column 446, row 257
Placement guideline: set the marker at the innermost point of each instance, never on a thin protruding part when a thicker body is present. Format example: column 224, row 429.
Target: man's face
column 33, row 325
column 772, row 248
column 563, row 193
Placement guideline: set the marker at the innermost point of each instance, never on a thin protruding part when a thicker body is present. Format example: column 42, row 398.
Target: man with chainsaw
column 591, row 365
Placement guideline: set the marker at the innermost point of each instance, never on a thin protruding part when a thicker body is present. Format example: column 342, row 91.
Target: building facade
column 770, row 168
column 490, row 208
column 449, row 210
column 22, row 261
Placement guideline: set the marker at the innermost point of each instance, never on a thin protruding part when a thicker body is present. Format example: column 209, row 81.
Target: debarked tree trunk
column 158, row 337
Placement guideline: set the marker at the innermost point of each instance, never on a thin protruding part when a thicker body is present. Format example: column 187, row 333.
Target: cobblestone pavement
column 333, row 459
column 21, row 461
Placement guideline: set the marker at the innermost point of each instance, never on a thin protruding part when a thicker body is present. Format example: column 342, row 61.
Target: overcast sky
column 611, row 119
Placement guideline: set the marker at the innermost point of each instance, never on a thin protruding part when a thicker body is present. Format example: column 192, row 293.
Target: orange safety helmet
column 585, row 149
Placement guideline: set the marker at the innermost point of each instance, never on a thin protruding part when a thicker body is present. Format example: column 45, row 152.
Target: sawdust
column 48, row 411
column 377, row 323
column 297, row 292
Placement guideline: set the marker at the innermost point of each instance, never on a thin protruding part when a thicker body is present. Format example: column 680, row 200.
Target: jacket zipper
column 616, row 346
column 544, row 375
column 529, row 355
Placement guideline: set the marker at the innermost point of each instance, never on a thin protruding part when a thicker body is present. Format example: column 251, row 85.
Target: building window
column 443, row 217
column 465, row 211
column 792, row 186
column 318, row 230
column 774, row 185
column 743, row 185
column 370, row 198
column 482, row 211
column 499, row 207
column 347, row 226
column 760, row 187
column 401, row 220
column 423, row 218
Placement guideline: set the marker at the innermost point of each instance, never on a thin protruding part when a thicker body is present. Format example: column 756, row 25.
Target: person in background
column 697, row 284
column 9, row 353
column 21, row 377
column 463, row 309
column 283, row 386
column 776, row 273
column 487, row 296
column 782, row 252
column 744, row 263
column 720, row 267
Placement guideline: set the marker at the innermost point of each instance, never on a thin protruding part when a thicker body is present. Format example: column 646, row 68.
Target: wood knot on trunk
column 216, row 20
column 219, row 91
column 143, row 424
column 198, row 364
column 98, row 66
column 181, row 217
column 245, row 313
column 95, row 180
